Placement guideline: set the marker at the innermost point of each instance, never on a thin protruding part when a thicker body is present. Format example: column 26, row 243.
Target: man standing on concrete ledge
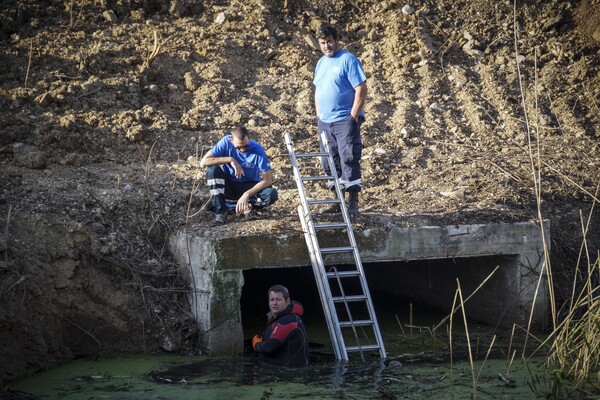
column 238, row 169
column 284, row 342
column 340, row 93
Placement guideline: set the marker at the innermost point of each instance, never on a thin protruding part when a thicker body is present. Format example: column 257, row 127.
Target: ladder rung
column 324, row 201
column 331, row 303
column 356, row 297
column 311, row 155
column 359, row 322
column 330, row 226
column 317, row 178
column 367, row 347
column 344, row 249
column 343, row 274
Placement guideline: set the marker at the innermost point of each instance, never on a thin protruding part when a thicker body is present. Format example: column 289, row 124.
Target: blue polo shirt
column 254, row 160
column 335, row 80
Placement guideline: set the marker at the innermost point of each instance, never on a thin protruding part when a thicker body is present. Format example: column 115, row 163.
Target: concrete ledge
column 214, row 267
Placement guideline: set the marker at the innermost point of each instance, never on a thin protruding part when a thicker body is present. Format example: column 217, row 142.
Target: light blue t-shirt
column 335, row 80
column 254, row 160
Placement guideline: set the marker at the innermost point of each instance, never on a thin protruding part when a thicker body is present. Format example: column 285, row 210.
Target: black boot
column 353, row 204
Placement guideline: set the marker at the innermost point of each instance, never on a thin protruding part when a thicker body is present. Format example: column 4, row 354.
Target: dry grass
column 575, row 349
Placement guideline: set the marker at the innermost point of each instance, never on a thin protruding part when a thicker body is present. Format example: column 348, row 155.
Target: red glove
column 256, row 340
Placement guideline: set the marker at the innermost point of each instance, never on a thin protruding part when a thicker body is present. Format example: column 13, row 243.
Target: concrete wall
column 214, row 264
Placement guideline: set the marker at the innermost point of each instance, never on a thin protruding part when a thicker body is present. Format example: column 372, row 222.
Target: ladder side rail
column 296, row 171
column 318, row 267
column 352, row 240
column 316, row 258
column 350, row 318
column 365, row 288
column 372, row 314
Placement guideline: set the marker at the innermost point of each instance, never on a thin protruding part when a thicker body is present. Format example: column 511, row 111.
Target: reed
column 471, row 362
column 574, row 353
column 574, row 348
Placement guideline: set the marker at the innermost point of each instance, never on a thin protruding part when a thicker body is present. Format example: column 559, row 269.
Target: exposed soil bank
column 106, row 107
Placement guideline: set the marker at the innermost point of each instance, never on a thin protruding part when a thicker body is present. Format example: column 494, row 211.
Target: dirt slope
column 106, row 107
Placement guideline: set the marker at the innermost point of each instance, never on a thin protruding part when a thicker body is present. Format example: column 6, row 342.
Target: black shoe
column 219, row 219
column 353, row 204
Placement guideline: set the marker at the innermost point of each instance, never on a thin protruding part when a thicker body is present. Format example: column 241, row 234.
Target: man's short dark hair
column 239, row 132
column 327, row 30
column 280, row 289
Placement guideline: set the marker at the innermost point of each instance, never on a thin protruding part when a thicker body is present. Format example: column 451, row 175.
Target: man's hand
column 242, row 204
column 256, row 340
column 237, row 168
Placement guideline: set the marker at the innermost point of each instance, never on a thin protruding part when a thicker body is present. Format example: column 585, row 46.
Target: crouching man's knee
column 269, row 196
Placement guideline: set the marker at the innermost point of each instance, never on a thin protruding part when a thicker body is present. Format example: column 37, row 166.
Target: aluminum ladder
column 341, row 283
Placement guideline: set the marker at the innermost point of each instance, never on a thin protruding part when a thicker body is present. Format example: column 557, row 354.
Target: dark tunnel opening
column 418, row 291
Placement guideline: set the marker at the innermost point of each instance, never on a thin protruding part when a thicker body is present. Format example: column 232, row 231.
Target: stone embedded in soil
column 110, row 16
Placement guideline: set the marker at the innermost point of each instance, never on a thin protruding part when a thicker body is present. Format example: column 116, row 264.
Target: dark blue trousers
column 223, row 188
column 345, row 146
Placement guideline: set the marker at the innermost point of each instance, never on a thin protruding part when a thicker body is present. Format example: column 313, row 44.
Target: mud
column 106, row 107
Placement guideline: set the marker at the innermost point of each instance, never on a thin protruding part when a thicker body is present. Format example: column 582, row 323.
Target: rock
column 270, row 54
column 138, row 15
column 408, row 10
column 177, row 9
column 455, row 194
column 29, row 157
column 280, row 34
column 191, row 81
column 110, row 16
column 65, row 270
column 167, row 344
column 220, row 18
column 437, row 107
column 596, row 34
column 23, row 117
column 552, row 23
column 312, row 42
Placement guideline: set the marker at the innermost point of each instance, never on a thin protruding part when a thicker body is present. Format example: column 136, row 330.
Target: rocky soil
column 106, row 107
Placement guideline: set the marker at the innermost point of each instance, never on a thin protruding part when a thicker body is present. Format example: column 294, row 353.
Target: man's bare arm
column 209, row 160
column 360, row 95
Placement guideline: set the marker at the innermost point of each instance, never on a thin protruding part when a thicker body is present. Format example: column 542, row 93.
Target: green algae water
column 202, row 377
column 418, row 366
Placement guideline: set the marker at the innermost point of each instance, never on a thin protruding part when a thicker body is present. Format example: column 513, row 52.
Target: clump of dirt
column 107, row 106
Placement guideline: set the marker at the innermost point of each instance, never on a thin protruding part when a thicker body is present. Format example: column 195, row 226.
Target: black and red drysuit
column 284, row 340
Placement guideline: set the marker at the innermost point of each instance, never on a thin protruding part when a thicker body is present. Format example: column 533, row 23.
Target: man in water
column 284, row 341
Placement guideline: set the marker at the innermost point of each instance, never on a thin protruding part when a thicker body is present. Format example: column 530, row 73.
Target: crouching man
column 238, row 169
